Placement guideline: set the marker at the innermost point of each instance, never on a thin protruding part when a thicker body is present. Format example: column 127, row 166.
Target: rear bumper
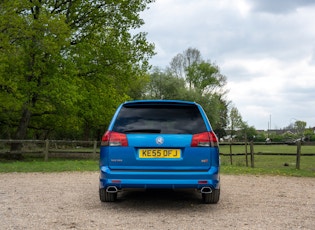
column 159, row 180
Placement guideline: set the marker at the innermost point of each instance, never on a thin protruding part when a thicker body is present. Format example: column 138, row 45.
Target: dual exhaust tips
column 114, row 189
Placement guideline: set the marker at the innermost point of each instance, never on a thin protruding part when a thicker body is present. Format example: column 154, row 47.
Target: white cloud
column 265, row 48
column 279, row 6
column 243, row 7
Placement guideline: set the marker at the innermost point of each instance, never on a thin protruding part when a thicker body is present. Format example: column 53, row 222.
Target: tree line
column 65, row 66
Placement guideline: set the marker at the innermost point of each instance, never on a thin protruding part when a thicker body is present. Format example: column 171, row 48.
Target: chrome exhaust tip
column 112, row 189
column 206, row 190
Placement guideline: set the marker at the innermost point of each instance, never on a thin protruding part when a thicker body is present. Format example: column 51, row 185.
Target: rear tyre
column 211, row 198
column 107, row 196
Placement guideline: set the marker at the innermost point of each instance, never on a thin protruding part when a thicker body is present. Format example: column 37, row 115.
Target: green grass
column 264, row 164
column 272, row 165
column 53, row 165
column 289, row 149
column 236, row 170
column 269, row 164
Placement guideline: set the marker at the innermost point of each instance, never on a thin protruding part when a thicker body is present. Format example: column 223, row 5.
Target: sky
column 265, row 48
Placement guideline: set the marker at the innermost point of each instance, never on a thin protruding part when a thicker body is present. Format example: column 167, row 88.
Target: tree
column 300, row 128
column 221, row 121
column 181, row 62
column 66, row 65
column 163, row 85
column 247, row 132
column 205, row 77
column 235, row 121
column 191, row 78
column 309, row 134
column 31, row 54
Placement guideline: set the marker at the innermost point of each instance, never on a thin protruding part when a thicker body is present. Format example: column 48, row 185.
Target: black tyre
column 211, row 198
column 107, row 196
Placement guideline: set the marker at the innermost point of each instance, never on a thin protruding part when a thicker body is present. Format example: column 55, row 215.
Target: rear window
column 159, row 118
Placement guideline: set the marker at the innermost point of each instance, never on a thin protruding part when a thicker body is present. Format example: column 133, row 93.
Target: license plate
column 160, row 153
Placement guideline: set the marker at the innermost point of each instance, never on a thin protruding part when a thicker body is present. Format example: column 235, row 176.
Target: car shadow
column 159, row 199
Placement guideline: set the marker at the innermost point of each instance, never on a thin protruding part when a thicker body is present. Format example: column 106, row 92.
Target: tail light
column 206, row 139
column 114, row 139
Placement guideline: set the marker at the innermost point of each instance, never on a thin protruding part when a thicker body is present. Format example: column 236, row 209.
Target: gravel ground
column 70, row 201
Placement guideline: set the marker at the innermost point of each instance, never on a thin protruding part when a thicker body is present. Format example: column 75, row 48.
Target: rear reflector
column 114, row 139
column 206, row 139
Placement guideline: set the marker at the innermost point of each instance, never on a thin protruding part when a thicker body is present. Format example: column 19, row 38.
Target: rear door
column 159, row 138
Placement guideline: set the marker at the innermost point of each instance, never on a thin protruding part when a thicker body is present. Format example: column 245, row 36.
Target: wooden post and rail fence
column 252, row 153
column 50, row 148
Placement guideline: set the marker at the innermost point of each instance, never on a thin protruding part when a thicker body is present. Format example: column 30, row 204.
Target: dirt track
column 70, row 201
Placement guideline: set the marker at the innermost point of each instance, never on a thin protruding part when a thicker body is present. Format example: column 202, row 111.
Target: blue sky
column 265, row 48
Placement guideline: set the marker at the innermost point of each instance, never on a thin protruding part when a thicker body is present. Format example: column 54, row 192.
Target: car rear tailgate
column 160, row 152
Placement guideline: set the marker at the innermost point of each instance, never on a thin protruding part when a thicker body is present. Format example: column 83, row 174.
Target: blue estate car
column 159, row 144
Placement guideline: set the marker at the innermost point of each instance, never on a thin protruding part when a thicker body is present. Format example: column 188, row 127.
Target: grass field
column 279, row 164
column 274, row 165
column 287, row 149
column 53, row 165
column 281, row 161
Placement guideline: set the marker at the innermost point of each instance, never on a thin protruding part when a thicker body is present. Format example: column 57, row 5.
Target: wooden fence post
column 231, row 153
column 246, row 153
column 46, row 150
column 298, row 155
column 252, row 154
column 94, row 149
